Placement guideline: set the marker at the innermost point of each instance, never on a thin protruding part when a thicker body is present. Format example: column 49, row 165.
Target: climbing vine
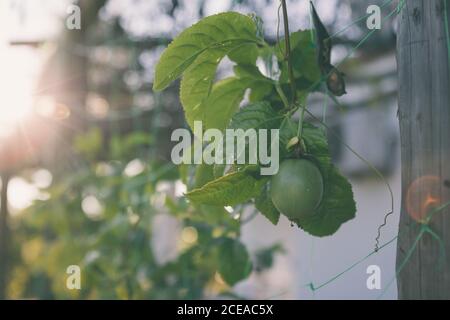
column 302, row 66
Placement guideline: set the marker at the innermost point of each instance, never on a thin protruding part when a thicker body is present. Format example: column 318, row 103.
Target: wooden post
column 424, row 115
column 4, row 236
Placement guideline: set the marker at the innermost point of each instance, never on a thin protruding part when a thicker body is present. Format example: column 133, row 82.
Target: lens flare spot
column 97, row 106
column 47, row 107
column 422, row 197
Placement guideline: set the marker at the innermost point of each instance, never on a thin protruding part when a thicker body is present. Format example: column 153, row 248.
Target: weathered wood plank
column 424, row 114
column 4, row 235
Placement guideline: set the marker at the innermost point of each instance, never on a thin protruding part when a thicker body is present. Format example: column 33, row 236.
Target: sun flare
column 18, row 72
column 16, row 88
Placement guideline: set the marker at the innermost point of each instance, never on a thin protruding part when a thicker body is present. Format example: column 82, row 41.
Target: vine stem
column 282, row 95
column 290, row 68
column 300, row 122
column 288, row 51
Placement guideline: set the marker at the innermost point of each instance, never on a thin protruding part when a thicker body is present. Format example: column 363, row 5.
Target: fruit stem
column 300, row 122
column 288, row 51
column 282, row 95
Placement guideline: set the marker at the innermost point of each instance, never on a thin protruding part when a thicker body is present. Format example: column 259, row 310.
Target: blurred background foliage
column 115, row 203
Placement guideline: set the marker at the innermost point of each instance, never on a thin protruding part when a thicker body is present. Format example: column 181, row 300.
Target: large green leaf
column 197, row 82
column 244, row 54
column 214, row 214
column 215, row 107
column 260, row 86
column 204, row 173
column 223, row 30
column 215, row 104
column 234, row 261
column 231, row 189
column 264, row 204
column 259, row 91
column 217, row 110
column 337, row 205
column 316, row 144
column 259, row 115
column 304, row 57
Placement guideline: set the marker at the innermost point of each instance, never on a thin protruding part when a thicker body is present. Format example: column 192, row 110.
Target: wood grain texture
column 4, row 235
column 424, row 115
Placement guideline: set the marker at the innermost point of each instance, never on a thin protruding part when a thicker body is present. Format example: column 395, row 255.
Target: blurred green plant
column 102, row 218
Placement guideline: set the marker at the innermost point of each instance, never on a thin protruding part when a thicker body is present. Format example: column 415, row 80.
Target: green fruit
column 297, row 188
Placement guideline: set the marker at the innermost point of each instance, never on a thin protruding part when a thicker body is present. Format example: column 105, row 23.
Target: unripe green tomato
column 297, row 188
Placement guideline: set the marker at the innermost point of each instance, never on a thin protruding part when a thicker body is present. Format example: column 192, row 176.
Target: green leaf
column 198, row 95
column 243, row 71
column 260, row 91
column 231, row 189
column 234, row 261
column 316, row 143
column 219, row 170
column 244, row 54
column 217, row 110
column 203, row 175
column 264, row 204
column 222, row 101
column 218, row 106
column 305, row 62
column 214, row 214
column 337, row 206
column 288, row 130
column 228, row 29
column 197, row 82
column 259, row 115
column 260, row 87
